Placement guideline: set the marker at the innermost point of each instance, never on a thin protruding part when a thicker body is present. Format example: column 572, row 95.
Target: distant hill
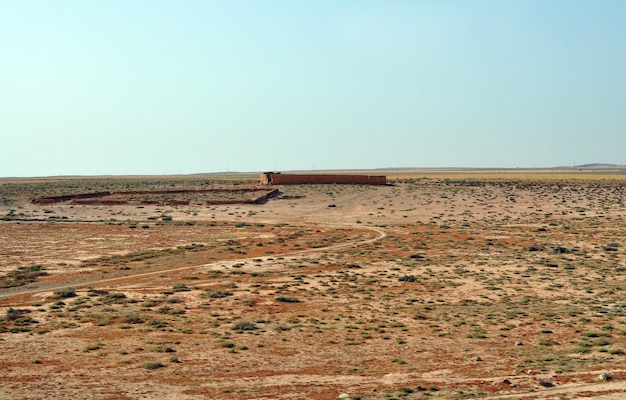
column 599, row 166
column 593, row 166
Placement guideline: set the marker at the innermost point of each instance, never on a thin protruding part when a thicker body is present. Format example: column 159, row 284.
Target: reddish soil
column 425, row 289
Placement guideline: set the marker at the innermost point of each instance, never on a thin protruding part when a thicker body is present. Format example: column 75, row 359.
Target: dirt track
column 135, row 275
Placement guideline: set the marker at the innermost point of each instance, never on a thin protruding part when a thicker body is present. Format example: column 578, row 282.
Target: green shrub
column 164, row 349
column 244, row 326
column 19, row 329
column 132, row 319
column 601, row 342
column 582, row 350
column 226, row 343
column 64, row 293
column 154, row 365
column 96, row 292
column 92, row 347
column 15, row 313
column 181, row 287
column 113, row 298
column 216, row 294
column 57, row 305
column 286, row 299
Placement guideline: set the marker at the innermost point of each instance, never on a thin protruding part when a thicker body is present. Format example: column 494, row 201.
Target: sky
column 122, row 87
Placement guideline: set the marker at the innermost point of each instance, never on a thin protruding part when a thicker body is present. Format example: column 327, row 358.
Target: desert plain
column 441, row 285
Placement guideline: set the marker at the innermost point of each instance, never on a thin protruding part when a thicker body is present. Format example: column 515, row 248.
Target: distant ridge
column 599, row 165
column 594, row 166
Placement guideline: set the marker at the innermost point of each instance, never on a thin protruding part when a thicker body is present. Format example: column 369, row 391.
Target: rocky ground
column 433, row 287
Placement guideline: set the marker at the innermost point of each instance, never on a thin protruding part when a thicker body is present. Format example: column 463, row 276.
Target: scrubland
column 442, row 285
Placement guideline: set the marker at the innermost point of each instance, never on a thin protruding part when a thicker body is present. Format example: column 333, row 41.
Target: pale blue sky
column 152, row 87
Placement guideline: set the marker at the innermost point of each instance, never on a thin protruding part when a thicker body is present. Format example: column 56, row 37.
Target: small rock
column 546, row 384
column 519, row 343
column 604, row 376
column 506, row 381
column 478, row 358
column 343, row 396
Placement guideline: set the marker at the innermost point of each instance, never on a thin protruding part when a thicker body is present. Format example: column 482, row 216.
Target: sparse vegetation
column 216, row 294
column 484, row 277
column 21, row 276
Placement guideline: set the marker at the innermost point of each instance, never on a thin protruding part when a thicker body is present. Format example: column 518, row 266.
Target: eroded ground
column 430, row 288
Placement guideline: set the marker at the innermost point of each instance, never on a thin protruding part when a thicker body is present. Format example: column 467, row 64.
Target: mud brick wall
column 261, row 199
column 59, row 199
column 99, row 202
column 181, row 191
column 264, row 197
column 97, row 198
column 296, row 179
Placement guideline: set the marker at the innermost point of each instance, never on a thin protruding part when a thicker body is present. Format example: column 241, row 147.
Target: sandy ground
column 424, row 289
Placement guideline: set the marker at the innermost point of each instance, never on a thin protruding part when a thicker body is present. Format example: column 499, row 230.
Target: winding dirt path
column 77, row 283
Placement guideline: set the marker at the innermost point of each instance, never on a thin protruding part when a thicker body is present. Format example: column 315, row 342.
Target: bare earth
column 445, row 285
